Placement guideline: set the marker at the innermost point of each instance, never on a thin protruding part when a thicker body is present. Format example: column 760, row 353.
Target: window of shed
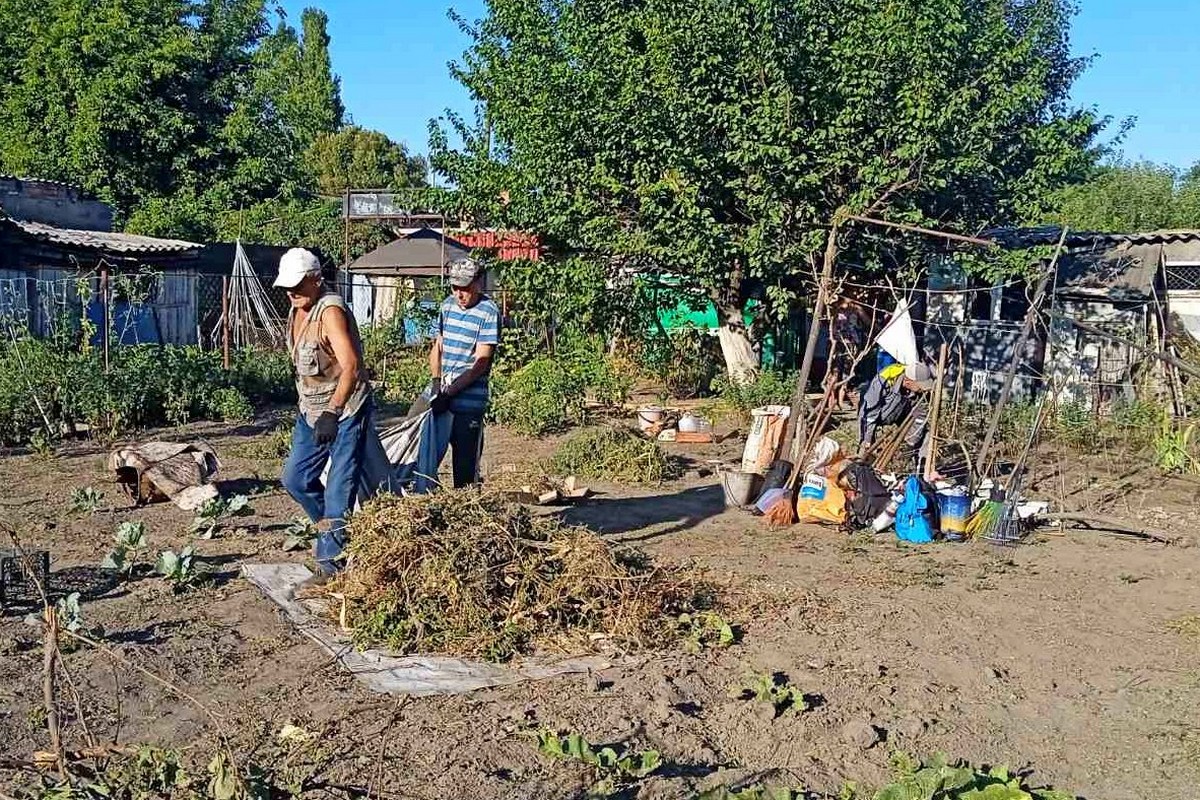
column 1014, row 302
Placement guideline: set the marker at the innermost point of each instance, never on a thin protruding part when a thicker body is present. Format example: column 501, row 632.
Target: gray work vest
column 317, row 368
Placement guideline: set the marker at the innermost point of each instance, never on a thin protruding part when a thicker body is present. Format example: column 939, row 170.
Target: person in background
column 335, row 419
column 847, row 333
column 890, row 396
column 460, row 361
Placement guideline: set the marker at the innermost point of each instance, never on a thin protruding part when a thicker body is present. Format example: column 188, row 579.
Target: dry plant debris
column 470, row 573
column 612, row 453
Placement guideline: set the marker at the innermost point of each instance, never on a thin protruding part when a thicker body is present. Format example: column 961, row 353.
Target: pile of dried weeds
column 469, row 573
column 612, row 453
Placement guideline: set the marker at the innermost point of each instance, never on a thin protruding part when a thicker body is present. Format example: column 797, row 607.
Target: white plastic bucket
column 648, row 417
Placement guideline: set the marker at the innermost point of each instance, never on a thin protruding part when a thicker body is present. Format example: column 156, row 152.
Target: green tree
column 355, row 157
column 98, row 92
column 1187, row 200
column 728, row 141
column 176, row 111
column 1123, row 198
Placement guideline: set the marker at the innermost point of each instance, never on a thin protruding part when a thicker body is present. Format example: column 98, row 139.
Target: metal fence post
column 225, row 319
column 105, row 317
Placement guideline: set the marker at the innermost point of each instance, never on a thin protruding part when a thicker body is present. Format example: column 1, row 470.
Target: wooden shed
column 50, row 275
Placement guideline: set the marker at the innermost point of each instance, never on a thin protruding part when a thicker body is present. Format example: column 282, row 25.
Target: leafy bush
column 686, row 361
column 404, row 375
column 230, row 405
column 608, row 377
column 1138, row 422
column 1076, row 425
column 612, row 770
column 129, row 545
column 181, row 570
column 85, row 500
column 768, row 388
column 615, row 454
column 774, row 690
column 938, row 779
column 145, row 385
column 541, row 397
column 263, row 376
column 1173, row 449
column 211, row 517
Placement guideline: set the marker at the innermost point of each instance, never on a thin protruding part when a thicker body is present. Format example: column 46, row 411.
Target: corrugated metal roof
column 1126, row 271
column 102, row 241
column 1182, row 254
column 1049, row 235
column 46, row 181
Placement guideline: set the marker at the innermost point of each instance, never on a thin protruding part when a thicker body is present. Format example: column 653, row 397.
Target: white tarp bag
column 419, row 675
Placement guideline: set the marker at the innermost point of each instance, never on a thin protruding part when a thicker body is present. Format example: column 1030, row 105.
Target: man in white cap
column 894, row 392
column 335, row 419
column 460, row 360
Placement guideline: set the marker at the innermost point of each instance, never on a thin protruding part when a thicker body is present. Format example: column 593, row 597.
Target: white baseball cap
column 296, row 265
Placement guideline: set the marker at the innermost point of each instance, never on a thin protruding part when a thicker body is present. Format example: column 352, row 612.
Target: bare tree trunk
column 741, row 363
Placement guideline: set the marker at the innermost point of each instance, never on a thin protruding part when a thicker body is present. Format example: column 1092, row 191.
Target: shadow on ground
column 681, row 511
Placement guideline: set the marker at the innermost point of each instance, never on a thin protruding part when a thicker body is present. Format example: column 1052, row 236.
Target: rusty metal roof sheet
column 122, row 243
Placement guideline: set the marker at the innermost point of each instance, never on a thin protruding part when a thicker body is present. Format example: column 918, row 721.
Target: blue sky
column 392, row 55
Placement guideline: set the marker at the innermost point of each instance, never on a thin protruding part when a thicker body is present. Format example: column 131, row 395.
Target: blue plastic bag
column 913, row 516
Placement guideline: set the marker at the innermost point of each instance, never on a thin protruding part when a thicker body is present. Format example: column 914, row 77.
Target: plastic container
column 690, row 423
column 741, row 488
column 954, row 506
column 888, row 516
column 648, row 417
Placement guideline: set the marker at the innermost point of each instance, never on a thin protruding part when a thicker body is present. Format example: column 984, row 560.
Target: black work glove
column 326, row 428
column 440, row 404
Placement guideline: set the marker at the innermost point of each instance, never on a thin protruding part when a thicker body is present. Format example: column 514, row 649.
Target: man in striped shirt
column 460, row 360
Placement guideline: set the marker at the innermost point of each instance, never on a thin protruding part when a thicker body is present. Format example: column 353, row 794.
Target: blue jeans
column 335, row 500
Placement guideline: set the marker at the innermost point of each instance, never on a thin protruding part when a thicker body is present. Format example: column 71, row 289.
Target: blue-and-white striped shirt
column 461, row 329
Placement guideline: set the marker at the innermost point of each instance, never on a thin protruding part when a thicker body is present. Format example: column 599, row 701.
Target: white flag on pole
column 897, row 337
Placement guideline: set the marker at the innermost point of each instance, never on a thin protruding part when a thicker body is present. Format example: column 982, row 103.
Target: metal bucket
column 741, row 488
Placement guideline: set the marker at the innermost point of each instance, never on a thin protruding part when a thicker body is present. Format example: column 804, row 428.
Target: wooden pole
column 49, row 659
column 959, row 385
column 346, row 241
column 105, row 318
column 1018, row 353
column 797, row 429
column 935, row 412
column 954, row 237
column 225, row 320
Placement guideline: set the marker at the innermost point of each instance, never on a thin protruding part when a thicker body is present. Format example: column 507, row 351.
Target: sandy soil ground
column 1070, row 656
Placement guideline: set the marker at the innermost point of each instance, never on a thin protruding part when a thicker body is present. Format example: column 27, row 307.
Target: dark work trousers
column 466, row 443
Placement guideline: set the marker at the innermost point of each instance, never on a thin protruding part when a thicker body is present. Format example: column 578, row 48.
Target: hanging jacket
column 883, row 403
